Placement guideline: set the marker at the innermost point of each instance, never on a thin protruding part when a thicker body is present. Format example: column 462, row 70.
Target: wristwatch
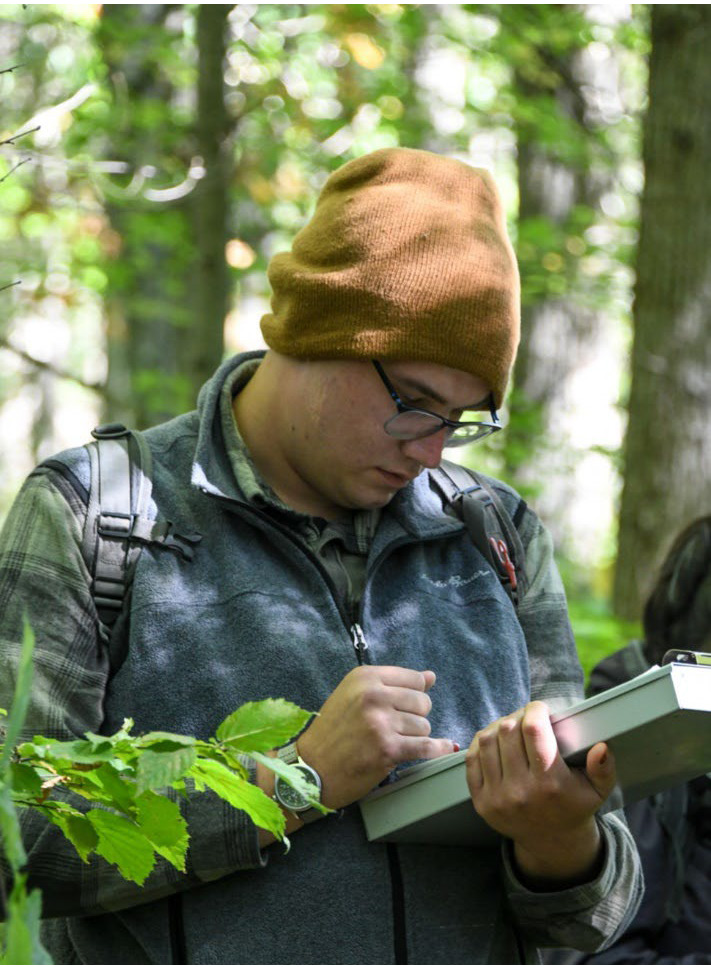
column 290, row 798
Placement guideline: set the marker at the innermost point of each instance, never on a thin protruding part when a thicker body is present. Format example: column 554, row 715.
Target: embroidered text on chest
column 456, row 580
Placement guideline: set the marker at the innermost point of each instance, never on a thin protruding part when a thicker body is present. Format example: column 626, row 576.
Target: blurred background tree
column 668, row 442
column 180, row 146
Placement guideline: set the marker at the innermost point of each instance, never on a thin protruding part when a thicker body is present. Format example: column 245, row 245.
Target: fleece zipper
column 362, row 653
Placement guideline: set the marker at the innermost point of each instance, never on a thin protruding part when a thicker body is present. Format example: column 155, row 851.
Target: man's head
column 405, row 258
column 317, row 429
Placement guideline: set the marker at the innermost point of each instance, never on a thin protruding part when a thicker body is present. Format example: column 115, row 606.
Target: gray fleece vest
column 253, row 616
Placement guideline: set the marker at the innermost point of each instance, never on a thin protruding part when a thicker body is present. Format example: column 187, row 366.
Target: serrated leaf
column 223, row 755
column 232, row 762
column 241, row 794
column 162, row 823
column 78, row 751
column 123, row 844
column 77, row 828
column 151, row 738
column 106, row 785
column 156, row 770
column 24, row 780
column 262, row 726
column 293, row 776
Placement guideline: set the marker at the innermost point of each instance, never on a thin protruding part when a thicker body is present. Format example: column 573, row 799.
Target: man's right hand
column 375, row 719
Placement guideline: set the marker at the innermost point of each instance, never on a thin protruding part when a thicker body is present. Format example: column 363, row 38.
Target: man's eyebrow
column 416, row 387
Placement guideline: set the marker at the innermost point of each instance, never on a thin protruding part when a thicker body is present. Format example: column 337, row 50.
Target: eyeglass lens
column 415, row 424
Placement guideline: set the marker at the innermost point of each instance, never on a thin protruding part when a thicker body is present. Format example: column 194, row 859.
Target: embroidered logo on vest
column 456, row 580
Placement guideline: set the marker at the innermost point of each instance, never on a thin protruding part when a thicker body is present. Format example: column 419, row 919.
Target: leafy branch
column 127, row 777
column 133, row 785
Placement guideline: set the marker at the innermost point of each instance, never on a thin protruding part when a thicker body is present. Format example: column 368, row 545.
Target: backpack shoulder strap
column 470, row 497
column 120, row 518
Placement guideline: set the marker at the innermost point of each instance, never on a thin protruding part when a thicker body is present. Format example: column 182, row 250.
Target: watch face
column 292, row 799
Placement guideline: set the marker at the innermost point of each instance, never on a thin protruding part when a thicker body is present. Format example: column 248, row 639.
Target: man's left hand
column 522, row 787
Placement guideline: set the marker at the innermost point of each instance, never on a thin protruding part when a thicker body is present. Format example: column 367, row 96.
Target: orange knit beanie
column 406, row 257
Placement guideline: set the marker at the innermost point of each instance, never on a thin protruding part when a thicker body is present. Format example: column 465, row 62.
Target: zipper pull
column 359, row 643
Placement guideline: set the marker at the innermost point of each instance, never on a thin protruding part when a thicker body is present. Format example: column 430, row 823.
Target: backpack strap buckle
column 115, row 524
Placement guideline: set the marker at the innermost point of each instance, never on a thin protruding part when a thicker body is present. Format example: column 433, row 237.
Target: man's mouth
column 394, row 479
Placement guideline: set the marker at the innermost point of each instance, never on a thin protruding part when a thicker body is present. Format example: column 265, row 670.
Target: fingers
column 600, row 769
column 410, row 700
column 426, row 748
column 396, row 675
column 538, row 738
column 514, row 749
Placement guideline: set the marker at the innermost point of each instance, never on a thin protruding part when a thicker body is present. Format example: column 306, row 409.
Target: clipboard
column 658, row 726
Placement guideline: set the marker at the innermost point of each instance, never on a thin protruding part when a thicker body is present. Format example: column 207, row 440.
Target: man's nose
column 427, row 451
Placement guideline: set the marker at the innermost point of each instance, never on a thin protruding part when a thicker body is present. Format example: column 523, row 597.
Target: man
column 329, row 574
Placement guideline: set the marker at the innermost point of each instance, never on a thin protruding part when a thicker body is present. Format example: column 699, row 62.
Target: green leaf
column 156, row 770
column 241, row 794
column 261, row 726
column 106, row 785
column 76, row 827
column 161, row 821
column 25, row 780
column 21, row 939
column 79, row 751
column 171, row 739
column 123, row 844
column 10, row 829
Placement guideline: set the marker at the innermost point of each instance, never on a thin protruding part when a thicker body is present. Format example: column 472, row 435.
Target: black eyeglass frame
column 485, row 428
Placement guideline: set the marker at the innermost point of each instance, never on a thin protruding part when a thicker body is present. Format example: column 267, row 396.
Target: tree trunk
column 210, row 198
column 668, row 443
column 168, row 288
column 559, row 336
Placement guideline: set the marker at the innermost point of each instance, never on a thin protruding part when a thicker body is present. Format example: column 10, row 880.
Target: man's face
column 335, row 442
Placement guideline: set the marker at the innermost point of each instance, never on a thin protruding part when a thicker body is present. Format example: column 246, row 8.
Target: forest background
column 153, row 157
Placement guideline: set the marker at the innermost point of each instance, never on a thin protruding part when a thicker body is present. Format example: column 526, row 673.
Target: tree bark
column 169, row 287
column 668, row 442
column 210, row 198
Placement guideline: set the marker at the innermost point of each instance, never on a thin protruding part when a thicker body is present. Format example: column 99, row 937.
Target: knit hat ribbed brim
column 406, row 257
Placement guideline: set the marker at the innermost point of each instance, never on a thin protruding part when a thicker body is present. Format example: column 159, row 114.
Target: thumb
column 600, row 769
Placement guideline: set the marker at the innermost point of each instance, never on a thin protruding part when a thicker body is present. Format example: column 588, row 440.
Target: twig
column 20, row 135
column 7, row 70
column 49, row 368
column 18, row 165
column 9, row 285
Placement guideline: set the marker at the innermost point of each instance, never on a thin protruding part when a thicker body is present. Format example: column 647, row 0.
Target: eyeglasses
column 412, row 423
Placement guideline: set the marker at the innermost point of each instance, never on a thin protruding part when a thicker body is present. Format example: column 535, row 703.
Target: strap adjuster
column 115, row 525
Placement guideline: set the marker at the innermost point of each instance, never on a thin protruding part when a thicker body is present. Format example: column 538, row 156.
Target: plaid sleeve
column 43, row 575
column 556, row 676
column 591, row 915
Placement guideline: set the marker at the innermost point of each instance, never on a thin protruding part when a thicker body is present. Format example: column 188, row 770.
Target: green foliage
column 132, row 785
column 127, row 778
column 19, row 934
column 597, row 631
